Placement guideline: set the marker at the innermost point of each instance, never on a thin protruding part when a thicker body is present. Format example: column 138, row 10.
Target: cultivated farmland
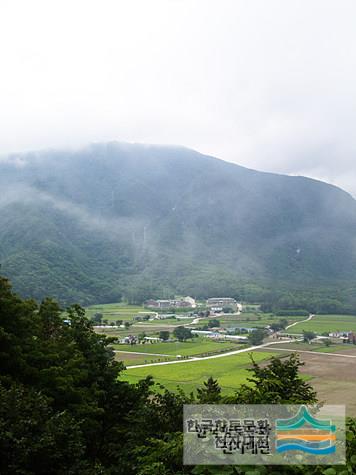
column 326, row 324
column 230, row 371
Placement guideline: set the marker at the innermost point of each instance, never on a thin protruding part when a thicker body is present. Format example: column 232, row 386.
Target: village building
column 217, row 304
column 185, row 302
column 220, row 336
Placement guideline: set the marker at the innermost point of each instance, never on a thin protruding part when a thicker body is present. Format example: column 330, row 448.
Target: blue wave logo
column 305, row 433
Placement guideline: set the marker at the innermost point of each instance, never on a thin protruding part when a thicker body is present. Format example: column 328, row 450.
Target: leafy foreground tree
column 64, row 409
column 278, row 382
column 210, row 393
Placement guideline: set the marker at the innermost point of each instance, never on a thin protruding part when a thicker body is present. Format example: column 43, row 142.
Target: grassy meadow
column 197, row 346
column 230, row 371
column 327, row 323
column 115, row 311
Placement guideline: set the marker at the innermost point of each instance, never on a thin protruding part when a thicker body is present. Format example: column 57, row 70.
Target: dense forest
column 132, row 221
column 65, row 410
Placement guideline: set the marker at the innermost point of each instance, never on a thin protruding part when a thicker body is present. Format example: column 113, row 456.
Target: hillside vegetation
column 134, row 221
column 66, row 407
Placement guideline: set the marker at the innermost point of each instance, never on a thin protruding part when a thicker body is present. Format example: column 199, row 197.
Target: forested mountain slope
column 115, row 219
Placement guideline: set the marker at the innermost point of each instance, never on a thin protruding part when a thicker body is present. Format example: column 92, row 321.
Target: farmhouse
column 164, row 316
column 347, row 337
column 217, row 304
column 152, row 339
column 187, row 302
column 220, row 336
column 130, row 340
column 240, row 329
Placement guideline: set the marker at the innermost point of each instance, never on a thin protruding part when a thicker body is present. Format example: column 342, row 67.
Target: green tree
column 164, row 335
column 62, row 404
column 280, row 325
column 182, row 333
column 275, row 326
column 36, row 439
column 277, row 383
column 210, row 393
column 228, row 310
column 308, row 336
column 141, row 336
column 213, row 323
column 97, row 318
column 283, row 322
column 65, row 409
column 256, row 336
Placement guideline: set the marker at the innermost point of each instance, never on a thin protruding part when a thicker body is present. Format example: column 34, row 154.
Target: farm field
column 115, row 311
column 327, row 323
column 333, row 377
column 248, row 320
column 318, row 347
column 164, row 322
column 135, row 329
column 230, row 371
column 325, row 372
column 126, row 313
column 197, row 346
column 130, row 358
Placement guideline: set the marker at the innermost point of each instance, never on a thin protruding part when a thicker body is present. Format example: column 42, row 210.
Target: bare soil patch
column 333, row 377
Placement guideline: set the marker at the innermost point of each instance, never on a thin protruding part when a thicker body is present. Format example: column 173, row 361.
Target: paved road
column 235, row 352
column 195, row 321
column 301, row 321
column 220, row 355
column 141, row 353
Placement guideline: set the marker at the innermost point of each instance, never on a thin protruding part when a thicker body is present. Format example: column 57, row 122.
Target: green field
column 327, row 323
column 197, row 346
column 318, row 347
column 114, row 311
column 230, row 371
column 125, row 312
column 250, row 319
column 334, row 348
column 130, row 358
column 166, row 321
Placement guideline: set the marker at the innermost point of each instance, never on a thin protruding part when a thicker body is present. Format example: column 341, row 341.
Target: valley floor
column 331, row 370
column 333, row 376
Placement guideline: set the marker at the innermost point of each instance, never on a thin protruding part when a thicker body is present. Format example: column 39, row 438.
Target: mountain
column 131, row 220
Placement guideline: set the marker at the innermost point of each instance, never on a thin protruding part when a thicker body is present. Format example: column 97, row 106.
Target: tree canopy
column 65, row 410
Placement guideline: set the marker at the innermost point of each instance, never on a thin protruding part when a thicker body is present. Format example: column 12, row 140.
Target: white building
column 191, row 301
column 216, row 304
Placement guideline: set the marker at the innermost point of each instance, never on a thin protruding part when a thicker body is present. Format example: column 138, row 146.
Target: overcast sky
column 269, row 84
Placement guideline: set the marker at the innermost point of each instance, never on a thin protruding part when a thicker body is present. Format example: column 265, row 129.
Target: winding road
column 301, row 321
column 244, row 350
column 220, row 355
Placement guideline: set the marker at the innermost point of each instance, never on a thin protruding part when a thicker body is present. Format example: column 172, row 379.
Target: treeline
column 320, row 301
column 65, row 410
column 79, row 283
column 273, row 297
column 291, row 313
